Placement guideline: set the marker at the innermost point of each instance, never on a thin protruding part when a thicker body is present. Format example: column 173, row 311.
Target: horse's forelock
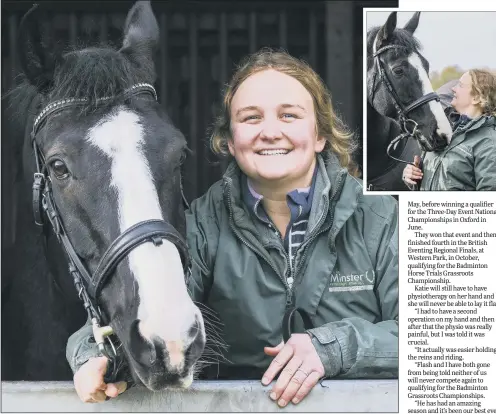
column 404, row 38
column 400, row 37
column 89, row 73
column 94, row 73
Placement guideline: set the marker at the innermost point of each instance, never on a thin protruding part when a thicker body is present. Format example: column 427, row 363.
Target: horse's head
column 112, row 159
column 398, row 84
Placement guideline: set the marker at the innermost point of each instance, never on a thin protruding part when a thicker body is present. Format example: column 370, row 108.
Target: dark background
column 201, row 41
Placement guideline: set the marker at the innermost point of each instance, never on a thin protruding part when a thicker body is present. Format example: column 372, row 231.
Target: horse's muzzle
column 160, row 364
column 433, row 143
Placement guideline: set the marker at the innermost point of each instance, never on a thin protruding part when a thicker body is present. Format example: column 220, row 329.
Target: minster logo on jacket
column 352, row 281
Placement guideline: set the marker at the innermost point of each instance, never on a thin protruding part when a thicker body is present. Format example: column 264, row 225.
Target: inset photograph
column 431, row 101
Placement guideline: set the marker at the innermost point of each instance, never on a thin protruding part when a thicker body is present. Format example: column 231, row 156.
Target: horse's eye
column 398, row 71
column 59, row 169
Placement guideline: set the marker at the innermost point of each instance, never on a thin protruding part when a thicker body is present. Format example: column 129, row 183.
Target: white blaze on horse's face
column 165, row 308
column 443, row 125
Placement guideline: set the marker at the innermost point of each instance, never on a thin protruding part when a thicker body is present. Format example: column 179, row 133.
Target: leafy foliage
column 448, row 73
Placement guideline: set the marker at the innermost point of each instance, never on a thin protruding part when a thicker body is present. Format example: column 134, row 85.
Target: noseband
column 408, row 125
column 90, row 286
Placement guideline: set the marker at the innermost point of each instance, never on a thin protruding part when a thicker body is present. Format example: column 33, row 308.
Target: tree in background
column 447, row 74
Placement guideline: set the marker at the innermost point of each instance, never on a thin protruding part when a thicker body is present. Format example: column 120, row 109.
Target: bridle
column 408, row 125
column 89, row 286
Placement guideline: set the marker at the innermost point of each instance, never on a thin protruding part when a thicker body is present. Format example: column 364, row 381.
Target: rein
column 289, row 322
column 90, row 286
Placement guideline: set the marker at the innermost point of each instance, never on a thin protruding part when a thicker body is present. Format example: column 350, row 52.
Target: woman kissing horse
column 401, row 104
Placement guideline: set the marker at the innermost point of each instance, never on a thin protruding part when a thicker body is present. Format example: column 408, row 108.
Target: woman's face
column 463, row 99
column 274, row 130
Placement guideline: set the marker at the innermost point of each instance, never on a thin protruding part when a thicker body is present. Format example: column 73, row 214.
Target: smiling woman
column 288, row 232
column 314, row 107
column 283, row 156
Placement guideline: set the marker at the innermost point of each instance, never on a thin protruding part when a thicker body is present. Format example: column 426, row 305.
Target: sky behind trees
column 464, row 39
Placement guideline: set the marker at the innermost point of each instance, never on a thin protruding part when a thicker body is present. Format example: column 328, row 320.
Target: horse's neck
column 40, row 307
column 29, row 238
column 381, row 130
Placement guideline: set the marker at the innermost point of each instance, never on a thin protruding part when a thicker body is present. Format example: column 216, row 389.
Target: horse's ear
column 386, row 31
column 412, row 24
column 37, row 55
column 141, row 33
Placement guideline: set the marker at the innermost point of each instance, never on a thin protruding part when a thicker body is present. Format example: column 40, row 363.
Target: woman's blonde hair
column 339, row 139
column 484, row 89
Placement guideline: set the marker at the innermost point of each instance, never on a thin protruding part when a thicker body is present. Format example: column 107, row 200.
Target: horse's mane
column 17, row 103
column 400, row 37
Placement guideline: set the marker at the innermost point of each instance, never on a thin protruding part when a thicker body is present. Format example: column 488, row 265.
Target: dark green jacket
column 345, row 277
column 467, row 163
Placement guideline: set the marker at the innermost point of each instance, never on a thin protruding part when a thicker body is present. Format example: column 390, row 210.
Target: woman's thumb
column 113, row 390
column 101, row 364
column 273, row 351
column 416, row 161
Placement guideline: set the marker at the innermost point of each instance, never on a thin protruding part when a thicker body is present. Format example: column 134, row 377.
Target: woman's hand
column 89, row 383
column 412, row 174
column 301, row 369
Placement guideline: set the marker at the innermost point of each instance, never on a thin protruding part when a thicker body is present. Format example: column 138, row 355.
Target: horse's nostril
column 195, row 329
column 197, row 341
column 141, row 349
column 174, row 355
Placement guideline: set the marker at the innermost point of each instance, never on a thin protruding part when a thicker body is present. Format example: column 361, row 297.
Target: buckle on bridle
column 100, row 333
column 413, row 132
column 38, row 205
column 39, row 177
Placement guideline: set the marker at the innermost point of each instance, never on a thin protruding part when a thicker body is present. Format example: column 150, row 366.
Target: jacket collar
column 299, row 200
column 334, row 190
column 461, row 121
column 476, row 123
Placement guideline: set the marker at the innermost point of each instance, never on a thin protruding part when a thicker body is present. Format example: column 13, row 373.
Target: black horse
column 400, row 100
column 106, row 162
